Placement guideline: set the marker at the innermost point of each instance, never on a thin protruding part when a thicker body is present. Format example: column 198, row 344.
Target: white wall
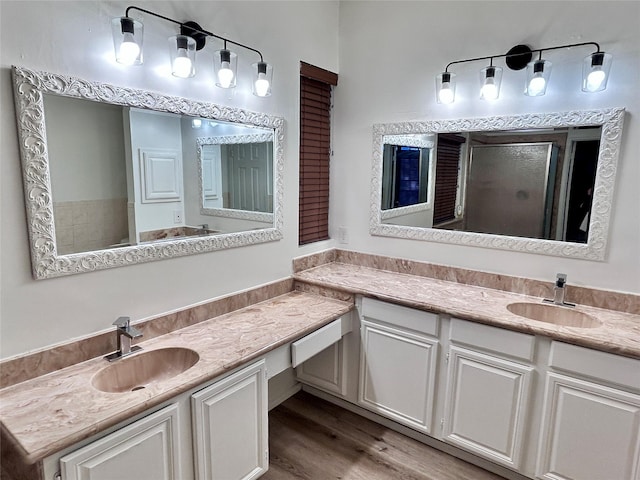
column 75, row 38
column 154, row 131
column 390, row 53
column 88, row 145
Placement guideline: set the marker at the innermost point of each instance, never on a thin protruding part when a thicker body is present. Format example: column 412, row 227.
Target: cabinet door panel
column 230, row 426
column 397, row 374
column 486, row 405
column 326, row 369
column 145, row 450
column 590, row 432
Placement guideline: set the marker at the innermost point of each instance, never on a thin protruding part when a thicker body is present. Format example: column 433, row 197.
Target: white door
column 486, row 405
column 148, row 449
column 211, row 176
column 230, row 426
column 590, row 432
column 397, row 374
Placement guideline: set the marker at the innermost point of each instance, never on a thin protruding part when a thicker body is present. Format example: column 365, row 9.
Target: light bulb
column 182, row 65
column 538, row 74
column 595, row 79
column 536, row 85
column 129, row 50
column 489, row 89
column 445, row 95
column 595, row 72
column 225, row 75
column 262, row 85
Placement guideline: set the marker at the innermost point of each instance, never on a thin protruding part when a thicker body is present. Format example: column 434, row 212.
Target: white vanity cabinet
column 216, row 431
column 398, row 360
column 591, row 419
column 488, row 391
column 148, row 449
column 230, row 426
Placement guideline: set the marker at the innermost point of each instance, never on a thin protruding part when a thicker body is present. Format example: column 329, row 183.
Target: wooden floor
column 315, row 440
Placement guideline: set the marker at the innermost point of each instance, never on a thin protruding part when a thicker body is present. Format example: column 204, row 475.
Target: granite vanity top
column 49, row 413
column 619, row 333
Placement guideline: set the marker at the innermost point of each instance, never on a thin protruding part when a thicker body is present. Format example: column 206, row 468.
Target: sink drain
column 141, row 387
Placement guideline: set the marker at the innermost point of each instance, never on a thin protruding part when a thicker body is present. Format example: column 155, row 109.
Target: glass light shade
column 490, row 80
column 538, row 73
column 127, row 40
column 225, row 65
column 262, row 79
column 183, row 56
column 595, row 72
column 446, row 87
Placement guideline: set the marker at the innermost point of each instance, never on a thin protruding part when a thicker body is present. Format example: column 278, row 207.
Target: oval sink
column 136, row 372
column 563, row 316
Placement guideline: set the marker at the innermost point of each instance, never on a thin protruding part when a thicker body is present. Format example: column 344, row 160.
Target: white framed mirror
column 236, row 176
column 537, row 183
column 113, row 176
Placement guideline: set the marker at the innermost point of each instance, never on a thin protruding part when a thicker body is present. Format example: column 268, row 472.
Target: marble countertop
column 619, row 332
column 49, row 413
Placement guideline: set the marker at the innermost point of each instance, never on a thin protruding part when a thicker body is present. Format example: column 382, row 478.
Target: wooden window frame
column 315, row 152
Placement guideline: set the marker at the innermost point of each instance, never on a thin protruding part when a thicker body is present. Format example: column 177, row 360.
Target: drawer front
column 603, row 366
column 493, row 339
column 399, row 316
column 314, row 343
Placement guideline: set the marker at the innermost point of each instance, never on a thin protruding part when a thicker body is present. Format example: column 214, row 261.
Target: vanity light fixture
column 183, row 56
column 595, row 72
column 538, row 73
column 446, row 87
column 490, row 79
column 225, row 65
column 127, row 42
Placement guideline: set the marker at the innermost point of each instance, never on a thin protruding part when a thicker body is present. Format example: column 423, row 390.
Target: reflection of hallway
column 315, row 440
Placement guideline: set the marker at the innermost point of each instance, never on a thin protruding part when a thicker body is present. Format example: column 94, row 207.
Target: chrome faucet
column 559, row 292
column 125, row 333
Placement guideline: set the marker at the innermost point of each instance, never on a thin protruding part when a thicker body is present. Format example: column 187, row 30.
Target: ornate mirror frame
column 611, row 121
column 29, row 88
column 226, row 140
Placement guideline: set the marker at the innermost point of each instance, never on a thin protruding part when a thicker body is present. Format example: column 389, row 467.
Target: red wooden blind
column 448, row 160
column 315, row 151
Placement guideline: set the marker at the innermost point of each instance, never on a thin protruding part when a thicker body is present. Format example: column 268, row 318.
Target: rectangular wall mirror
column 115, row 176
column 538, row 183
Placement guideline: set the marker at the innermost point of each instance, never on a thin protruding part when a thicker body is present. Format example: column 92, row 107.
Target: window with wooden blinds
column 447, row 163
column 315, row 152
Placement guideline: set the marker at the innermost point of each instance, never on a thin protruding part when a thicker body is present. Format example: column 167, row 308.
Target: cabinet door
column 325, row 370
column 486, row 405
column 397, row 374
column 230, row 426
column 145, row 450
column 590, row 432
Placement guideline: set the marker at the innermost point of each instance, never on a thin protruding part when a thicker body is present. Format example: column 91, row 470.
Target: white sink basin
column 141, row 369
column 563, row 316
